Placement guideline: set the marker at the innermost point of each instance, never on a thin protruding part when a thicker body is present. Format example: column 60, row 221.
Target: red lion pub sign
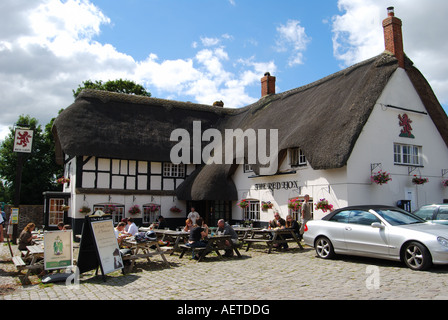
column 405, row 123
column 23, row 140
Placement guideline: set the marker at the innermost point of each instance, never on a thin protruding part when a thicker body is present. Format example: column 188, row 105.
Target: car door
column 362, row 238
column 335, row 229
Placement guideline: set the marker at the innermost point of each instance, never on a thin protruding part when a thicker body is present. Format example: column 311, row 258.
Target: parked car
column 437, row 213
column 380, row 232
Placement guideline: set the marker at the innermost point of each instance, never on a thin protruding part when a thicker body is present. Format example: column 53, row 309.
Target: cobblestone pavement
column 257, row 275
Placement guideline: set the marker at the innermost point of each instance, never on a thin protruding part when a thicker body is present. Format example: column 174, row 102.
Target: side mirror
column 378, row 225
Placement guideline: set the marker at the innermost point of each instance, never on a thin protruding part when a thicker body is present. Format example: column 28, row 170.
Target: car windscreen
column 396, row 217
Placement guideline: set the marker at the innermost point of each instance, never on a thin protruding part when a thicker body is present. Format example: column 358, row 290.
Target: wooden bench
column 186, row 248
column 19, row 263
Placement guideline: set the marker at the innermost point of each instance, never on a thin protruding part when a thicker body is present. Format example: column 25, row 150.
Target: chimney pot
column 391, row 11
column 218, row 104
column 267, row 85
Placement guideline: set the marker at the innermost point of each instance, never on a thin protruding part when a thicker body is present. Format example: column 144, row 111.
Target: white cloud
column 358, row 35
column 292, row 38
column 47, row 48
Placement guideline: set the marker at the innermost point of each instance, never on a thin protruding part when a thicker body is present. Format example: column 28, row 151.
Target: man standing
column 305, row 214
column 193, row 215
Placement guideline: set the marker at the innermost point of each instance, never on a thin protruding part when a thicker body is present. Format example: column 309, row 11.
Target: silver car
column 437, row 213
column 380, row 232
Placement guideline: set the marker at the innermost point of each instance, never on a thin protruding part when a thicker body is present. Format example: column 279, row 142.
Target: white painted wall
column 375, row 145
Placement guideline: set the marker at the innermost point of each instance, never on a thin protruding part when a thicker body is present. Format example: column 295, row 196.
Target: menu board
column 58, row 249
column 99, row 247
column 107, row 245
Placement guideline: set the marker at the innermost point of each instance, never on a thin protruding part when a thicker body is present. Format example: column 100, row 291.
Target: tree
column 120, row 86
column 39, row 169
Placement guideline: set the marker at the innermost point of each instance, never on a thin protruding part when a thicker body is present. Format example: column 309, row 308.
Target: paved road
column 293, row 274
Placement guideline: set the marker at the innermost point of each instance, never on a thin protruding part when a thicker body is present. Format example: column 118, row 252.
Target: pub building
column 333, row 136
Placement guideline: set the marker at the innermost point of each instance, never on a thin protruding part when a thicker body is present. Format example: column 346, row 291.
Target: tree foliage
column 39, row 168
column 120, row 86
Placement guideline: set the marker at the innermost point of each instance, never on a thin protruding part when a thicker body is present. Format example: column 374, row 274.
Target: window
column 407, row 154
column 248, row 168
column 117, row 211
column 171, row 170
column 252, row 211
column 296, row 214
column 150, row 212
column 443, row 213
column 341, row 217
column 297, row 157
column 362, row 217
column 56, row 214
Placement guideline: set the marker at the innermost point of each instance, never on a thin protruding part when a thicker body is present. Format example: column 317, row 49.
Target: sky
column 199, row 50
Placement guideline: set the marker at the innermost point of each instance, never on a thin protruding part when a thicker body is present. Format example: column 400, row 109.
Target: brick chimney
column 393, row 37
column 267, row 85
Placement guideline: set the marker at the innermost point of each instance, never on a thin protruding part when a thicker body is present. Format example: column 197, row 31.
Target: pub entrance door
column 212, row 210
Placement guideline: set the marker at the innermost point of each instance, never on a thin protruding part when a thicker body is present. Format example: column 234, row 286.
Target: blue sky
column 199, row 50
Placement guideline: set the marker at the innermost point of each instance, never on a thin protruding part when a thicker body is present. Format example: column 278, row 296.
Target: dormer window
column 297, row 157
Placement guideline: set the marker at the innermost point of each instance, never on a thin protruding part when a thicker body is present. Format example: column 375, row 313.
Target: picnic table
column 214, row 243
column 244, row 232
column 176, row 237
column 34, row 254
column 143, row 250
column 272, row 237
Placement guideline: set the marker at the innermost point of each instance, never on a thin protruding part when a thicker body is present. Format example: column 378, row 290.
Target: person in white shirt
column 193, row 215
column 133, row 229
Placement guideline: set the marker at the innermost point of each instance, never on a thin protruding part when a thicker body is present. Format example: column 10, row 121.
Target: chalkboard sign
column 99, row 246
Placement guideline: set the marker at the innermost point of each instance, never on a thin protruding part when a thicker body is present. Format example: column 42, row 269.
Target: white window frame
column 297, row 157
column 55, row 212
column 405, row 154
column 150, row 216
column 117, row 214
column 248, row 168
column 171, row 170
column 252, row 211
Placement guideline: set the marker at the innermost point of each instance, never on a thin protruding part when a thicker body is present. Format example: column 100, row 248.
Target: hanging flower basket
column 243, row 204
column 175, row 209
column 419, row 180
column 381, row 177
column 84, row 210
column 294, row 204
column 265, row 205
column 63, row 180
column 324, row 205
column 134, row 209
column 445, row 183
column 109, row 209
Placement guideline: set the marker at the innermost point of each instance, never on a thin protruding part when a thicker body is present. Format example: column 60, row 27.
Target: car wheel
column 324, row 248
column 416, row 256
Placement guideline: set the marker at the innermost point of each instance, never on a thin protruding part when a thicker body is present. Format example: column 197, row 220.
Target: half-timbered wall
column 104, row 173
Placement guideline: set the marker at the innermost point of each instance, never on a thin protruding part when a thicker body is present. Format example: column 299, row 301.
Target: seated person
column 162, row 223
column 197, row 236
column 25, row 237
column 188, row 225
column 132, row 227
column 119, row 232
column 226, row 229
column 278, row 222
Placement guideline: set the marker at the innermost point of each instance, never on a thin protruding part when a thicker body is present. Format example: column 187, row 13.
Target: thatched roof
column 324, row 119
